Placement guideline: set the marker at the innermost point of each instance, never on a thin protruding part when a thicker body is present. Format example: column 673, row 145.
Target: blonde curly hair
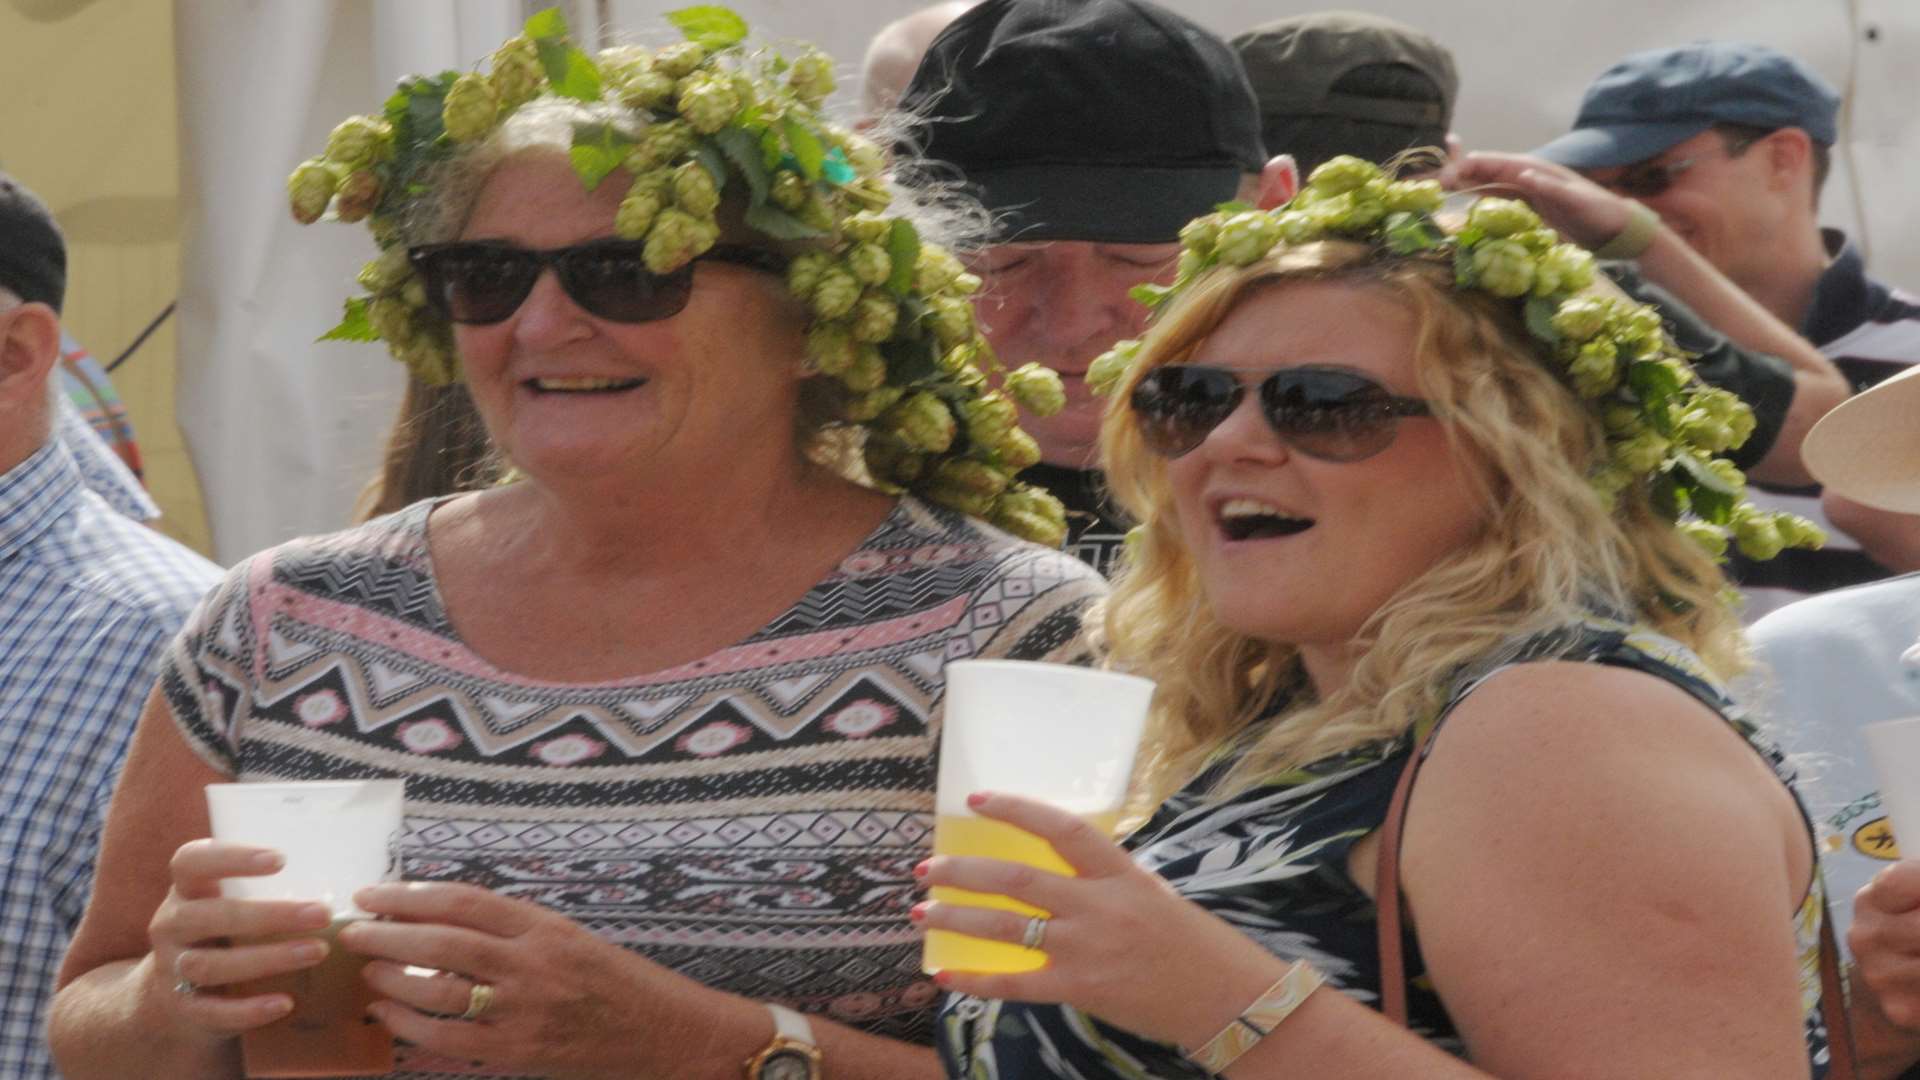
column 1550, row 548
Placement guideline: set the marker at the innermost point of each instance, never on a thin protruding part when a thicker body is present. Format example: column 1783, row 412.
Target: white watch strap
column 792, row 1025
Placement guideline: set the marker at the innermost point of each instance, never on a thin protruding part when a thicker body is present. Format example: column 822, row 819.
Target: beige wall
column 89, row 123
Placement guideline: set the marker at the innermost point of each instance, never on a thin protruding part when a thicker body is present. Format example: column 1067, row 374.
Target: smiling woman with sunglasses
column 665, row 702
column 1410, row 494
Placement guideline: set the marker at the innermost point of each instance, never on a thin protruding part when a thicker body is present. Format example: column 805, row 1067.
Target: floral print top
column 1272, row 862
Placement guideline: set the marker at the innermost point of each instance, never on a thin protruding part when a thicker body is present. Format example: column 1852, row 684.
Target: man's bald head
column 895, row 52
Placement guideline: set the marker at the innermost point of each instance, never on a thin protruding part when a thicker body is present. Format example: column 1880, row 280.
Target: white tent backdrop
column 285, row 431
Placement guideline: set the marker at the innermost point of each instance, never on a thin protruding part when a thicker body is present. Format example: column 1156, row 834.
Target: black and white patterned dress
column 749, row 819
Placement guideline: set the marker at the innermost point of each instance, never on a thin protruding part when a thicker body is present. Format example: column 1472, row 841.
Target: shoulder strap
column 1393, row 965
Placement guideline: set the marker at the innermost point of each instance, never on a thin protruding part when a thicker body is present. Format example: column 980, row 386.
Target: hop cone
column 1031, row 514
column 707, row 102
column 309, row 188
column 1343, row 173
column 1107, row 369
column 695, row 191
column 1415, row 196
column 869, row 372
column 1758, row 536
column 676, row 239
column 638, row 210
column 661, row 144
column 952, row 320
column 1038, row 389
column 870, row 264
column 1246, row 237
column 1580, row 320
column 830, row 349
column 862, row 153
column 805, row 271
column 359, row 194
column 989, row 418
column 1017, row 450
column 1712, row 539
column 1502, row 267
column 922, row 422
column 1199, row 235
column 516, row 71
column 677, row 61
column 866, row 228
column 935, row 270
column 871, row 403
column 470, row 108
column 360, row 141
column 1642, row 453
column 835, row 293
column 790, row 191
column 1564, row 268
column 392, row 319
column 874, row 318
column 811, row 77
column 1595, row 369
column 1502, row 217
column 646, row 89
column 386, row 273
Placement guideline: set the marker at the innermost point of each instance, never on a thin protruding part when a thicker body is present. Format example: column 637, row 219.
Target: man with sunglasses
column 1093, row 132
column 1728, row 145
column 89, row 599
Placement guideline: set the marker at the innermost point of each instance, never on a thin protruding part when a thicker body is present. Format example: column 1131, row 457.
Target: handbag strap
column 1393, row 964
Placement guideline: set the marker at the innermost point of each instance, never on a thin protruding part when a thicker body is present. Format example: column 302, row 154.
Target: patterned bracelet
column 1259, row 1019
column 1632, row 241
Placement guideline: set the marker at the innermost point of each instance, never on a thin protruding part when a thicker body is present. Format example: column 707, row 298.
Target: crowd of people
column 1094, row 339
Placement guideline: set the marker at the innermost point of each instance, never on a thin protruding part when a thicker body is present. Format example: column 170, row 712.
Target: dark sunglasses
column 486, row 281
column 1322, row 412
column 1652, row 179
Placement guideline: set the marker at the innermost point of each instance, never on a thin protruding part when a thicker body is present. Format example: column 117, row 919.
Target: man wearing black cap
column 88, row 601
column 1729, row 144
column 1093, row 130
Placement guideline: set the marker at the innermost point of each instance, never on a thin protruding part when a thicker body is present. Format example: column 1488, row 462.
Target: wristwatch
column 791, row 1055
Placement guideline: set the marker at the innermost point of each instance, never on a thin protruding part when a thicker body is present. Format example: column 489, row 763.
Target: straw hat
column 1868, row 448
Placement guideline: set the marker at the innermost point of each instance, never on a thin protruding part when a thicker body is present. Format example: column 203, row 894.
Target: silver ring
column 1036, row 932
column 182, row 984
column 479, row 999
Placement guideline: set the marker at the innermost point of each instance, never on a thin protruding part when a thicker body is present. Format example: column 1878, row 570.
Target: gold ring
column 479, row 999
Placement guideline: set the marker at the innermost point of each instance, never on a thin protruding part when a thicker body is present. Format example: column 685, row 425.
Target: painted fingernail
column 922, row 868
column 942, row 980
column 977, row 799
column 267, row 860
column 918, row 913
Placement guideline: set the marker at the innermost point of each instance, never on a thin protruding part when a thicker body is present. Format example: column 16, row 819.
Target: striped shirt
column 88, row 602
column 1871, row 332
column 750, row 818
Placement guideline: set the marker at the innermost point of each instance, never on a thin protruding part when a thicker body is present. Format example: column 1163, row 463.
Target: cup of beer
column 1894, row 746
column 338, row 836
column 1063, row 735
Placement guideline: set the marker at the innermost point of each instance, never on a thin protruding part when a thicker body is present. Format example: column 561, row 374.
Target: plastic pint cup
column 1894, row 746
column 1063, row 735
column 337, row 837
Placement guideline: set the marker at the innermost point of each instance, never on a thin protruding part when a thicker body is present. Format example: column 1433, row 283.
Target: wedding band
column 1036, row 932
column 479, row 998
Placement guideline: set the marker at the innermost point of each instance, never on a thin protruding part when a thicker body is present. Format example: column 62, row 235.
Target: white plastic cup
column 338, row 836
column 1894, row 746
column 1063, row 735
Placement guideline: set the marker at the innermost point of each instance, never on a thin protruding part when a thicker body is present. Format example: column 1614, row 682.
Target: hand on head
column 1581, row 210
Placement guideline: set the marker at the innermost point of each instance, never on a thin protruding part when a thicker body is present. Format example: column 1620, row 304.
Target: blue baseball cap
column 1652, row 100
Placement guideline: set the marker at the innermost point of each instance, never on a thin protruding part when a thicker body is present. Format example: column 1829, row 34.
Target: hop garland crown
column 1665, row 428
column 892, row 322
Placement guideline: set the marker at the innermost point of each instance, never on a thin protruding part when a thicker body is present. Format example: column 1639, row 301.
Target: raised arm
column 1590, row 215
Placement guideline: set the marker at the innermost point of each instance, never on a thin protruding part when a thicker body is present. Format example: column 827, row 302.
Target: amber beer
column 328, row 1033
column 963, row 834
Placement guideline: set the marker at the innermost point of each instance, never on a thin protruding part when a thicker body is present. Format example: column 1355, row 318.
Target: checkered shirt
column 88, row 602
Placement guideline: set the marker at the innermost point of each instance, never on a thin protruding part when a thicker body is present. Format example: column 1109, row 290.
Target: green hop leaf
column 597, row 150
column 807, row 149
column 353, row 326
column 710, row 26
column 903, row 257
